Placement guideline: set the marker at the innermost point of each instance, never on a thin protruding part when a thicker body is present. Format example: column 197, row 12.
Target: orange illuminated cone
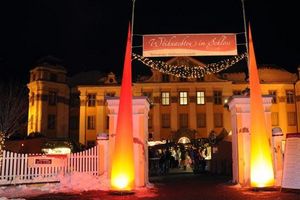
column 122, row 173
column 261, row 158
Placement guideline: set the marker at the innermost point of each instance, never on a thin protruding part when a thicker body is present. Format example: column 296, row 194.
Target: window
column 218, row 120
column 165, row 78
column 91, row 122
column 52, row 100
column 183, row 79
column 91, row 100
column 200, row 98
column 291, row 118
column 51, row 121
column 274, row 119
column 165, row 98
column 74, row 122
column 183, row 98
column 183, row 120
column 201, row 120
column 165, row 120
column 290, row 97
column 218, row 97
column 107, row 122
column 274, row 95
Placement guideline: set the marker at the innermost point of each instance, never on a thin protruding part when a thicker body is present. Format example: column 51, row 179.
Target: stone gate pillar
column 239, row 107
column 140, row 112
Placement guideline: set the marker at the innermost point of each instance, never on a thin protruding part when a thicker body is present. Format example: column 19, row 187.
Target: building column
column 174, row 110
column 82, row 119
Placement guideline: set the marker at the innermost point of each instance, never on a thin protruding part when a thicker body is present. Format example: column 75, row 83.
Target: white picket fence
column 28, row 168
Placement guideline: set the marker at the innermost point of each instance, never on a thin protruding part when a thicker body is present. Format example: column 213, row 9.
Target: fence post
column 102, row 148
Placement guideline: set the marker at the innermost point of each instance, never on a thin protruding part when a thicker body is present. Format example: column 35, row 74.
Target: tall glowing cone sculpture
column 261, row 171
column 122, row 172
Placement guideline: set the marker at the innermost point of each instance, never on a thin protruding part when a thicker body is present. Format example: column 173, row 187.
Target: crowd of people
column 161, row 160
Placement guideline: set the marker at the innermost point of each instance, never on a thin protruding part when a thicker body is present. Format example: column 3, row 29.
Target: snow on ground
column 69, row 183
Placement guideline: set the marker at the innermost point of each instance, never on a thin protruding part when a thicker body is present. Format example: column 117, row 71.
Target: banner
column 221, row 44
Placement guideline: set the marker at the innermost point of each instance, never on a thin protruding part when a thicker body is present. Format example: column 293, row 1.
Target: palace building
column 75, row 107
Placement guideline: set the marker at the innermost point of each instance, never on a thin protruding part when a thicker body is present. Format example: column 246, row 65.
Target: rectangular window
column 290, row 97
column 74, row 122
column 165, row 98
column 91, row 122
column 52, row 98
column 291, row 118
column 165, row 78
column 183, row 120
column 91, row 100
column 218, row 97
column 201, row 120
column 274, row 119
column 274, row 95
column 183, row 98
column 200, row 98
column 165, row 120
column 51, row 122
column 218, row 120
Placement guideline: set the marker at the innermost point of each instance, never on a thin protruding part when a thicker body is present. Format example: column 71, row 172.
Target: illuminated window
column 290, row 96
column 291, row 116
column 91, row 122
column 201, row 120
column 200, row 98
column 51, row 121
column 183, row 120
column 165, row 98
column 183, row 98
column 165, row 120
column 52, row 100
column 274, row 119
column 218, row 97
column 91, row 100
column 274, row 95
column 218, row 120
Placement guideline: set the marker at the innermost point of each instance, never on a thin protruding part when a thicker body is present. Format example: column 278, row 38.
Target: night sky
column 90, row 34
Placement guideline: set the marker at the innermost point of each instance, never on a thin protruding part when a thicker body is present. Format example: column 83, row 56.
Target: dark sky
column 90, row 34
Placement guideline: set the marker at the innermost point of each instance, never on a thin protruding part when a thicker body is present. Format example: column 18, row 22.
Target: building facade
column 62, row 107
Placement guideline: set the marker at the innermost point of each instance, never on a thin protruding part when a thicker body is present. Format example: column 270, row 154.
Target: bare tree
column 13, row 110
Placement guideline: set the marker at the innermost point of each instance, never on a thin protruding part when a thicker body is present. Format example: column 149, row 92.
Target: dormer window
column 111, row 79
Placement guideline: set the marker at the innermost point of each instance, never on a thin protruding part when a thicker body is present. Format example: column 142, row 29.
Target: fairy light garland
column 184, row 71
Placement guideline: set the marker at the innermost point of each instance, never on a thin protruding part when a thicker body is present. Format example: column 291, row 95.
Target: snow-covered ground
column 69, row 183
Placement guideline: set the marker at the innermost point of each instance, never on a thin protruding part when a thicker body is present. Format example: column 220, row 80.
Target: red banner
column 189, row 45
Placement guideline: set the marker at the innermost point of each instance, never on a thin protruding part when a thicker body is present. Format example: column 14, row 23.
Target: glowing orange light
column 261, row 169
column 122, row 173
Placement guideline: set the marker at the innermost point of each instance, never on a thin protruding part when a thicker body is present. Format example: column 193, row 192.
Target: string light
column 184, row 71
